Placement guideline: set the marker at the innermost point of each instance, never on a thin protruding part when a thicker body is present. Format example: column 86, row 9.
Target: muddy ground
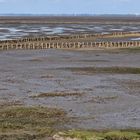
column 15, row 31
column 93, row 100
column 12, row 27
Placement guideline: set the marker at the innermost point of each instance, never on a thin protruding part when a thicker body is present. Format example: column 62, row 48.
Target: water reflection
column 10, row 31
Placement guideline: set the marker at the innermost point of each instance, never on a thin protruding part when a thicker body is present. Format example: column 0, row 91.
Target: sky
column 69, row 6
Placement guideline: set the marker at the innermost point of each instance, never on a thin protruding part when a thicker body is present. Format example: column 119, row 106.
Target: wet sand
column 100, row 100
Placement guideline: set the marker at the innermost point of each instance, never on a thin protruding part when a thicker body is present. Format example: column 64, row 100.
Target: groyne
column 72, row 41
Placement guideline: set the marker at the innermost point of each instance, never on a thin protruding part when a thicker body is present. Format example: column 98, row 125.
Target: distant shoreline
column 69, row 19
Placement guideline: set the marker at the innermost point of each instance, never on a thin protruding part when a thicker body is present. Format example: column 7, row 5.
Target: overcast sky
column 70, row 6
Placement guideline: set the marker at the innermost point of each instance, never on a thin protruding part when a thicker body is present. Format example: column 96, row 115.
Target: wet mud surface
column 93, row 100
column 12, row 31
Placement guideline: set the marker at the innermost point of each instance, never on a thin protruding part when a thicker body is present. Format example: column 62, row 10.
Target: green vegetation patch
column 112, row 135
column 133, row 50
column 42, row 95
column 30, row 122
column 109, row 70
column 102, row 100
column 121, row 50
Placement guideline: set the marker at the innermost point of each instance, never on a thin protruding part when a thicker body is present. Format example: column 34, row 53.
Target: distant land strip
column 69, row 19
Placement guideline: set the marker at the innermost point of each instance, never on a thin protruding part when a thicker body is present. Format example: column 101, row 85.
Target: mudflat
column 43, row 92
column 97, row 89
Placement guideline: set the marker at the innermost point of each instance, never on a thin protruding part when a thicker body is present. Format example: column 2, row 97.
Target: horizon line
column 32, row 14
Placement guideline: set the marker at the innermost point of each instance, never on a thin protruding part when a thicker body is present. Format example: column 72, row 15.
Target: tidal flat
column 90, row 91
